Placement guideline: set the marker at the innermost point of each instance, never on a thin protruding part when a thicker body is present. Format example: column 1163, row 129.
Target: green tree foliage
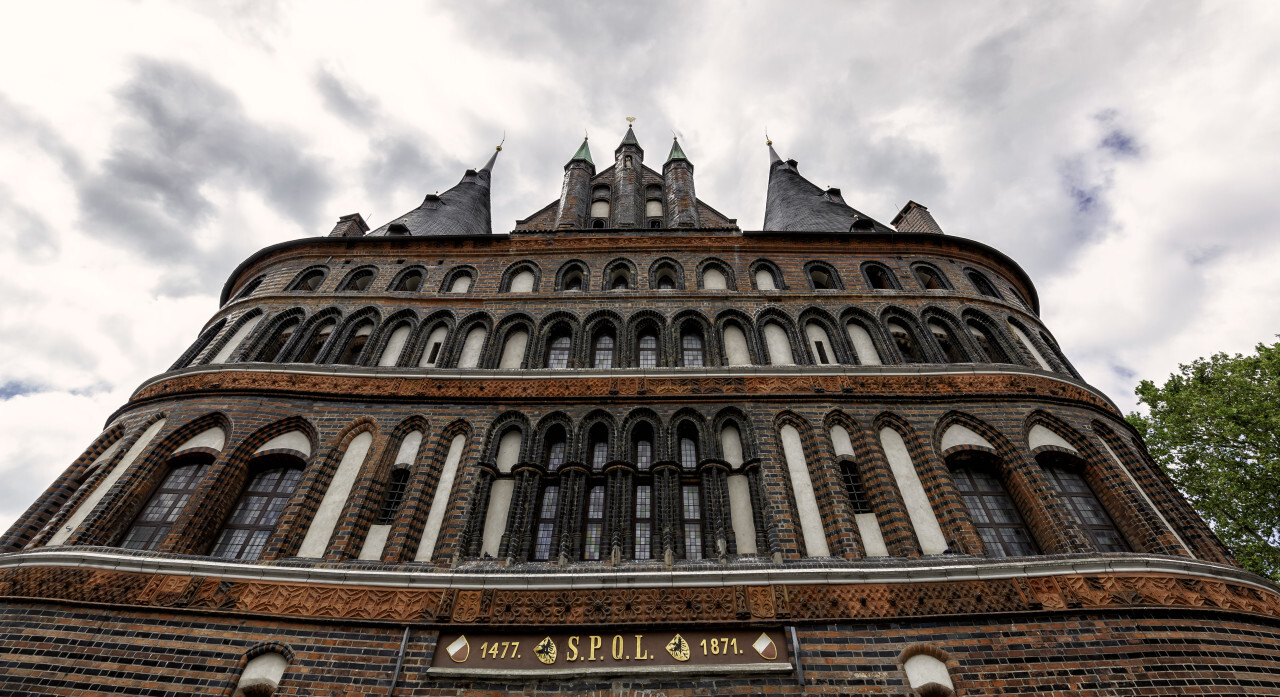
column 1215, row 428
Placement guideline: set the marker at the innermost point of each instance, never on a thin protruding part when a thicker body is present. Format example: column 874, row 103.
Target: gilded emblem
column 546, row 651
column 459, row 650
column 765, row 647
column 678, row 648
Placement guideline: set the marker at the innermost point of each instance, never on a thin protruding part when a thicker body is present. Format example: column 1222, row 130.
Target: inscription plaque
column 606, row 650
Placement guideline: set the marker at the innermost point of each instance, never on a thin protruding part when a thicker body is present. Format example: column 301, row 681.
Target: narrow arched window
column 410, row 281
column 991, row 348
column 598, row 224
column 431, row 350
column 853, row 487
column 256, row 513
column 557, row 447
column 393, row 496
column 765, row 279
column 558, row 353
column 880, row 278
column 599, row 439
column 573, row 282
column 688, row 450
column 249, row 288
column 1084, row 504
column 546, row 523
column 929, row 279
column 819, row 343
column 642, row 448
column 665, row 282
column 273, row 350
column 982, row 285
column 595, row 524
column 691, row 518
column 318, row 339
column 906, row 344
column 620, row 281
column 647, row 351
column 309, row 280
column 821, row 279
column 947, row 343
column 460, row 283
column 355, row 345
column 1003, row 532
column 644, row 522
column 522, row 282
column 691, row 349
column 602, row 352
column 168, row 500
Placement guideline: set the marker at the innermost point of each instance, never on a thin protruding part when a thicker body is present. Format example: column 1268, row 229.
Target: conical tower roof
column 584, row 153
column 462, row 210
column 794, row 204
column 676, row 152
column 629, row 139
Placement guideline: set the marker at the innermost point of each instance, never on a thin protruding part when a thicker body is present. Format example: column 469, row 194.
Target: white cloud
column 162, row 143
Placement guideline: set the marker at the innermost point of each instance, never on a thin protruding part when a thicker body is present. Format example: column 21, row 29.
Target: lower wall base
column 55, row 649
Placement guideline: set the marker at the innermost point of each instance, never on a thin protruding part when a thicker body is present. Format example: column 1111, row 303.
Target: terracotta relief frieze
column 636, row 606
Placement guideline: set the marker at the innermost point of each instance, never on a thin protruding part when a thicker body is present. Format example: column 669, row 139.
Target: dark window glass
column 360, row 281
column 946, row 343
column 555, row 454
column 688, row 452
column 981, row 283
column 249, row 288
column 648, row 351
column 999, row 524
column 162, row 509
column 655, row 223
column 273, row 350
column 666, row 283
column 644, row 522
column 573, row 283
column 546, row 523
column 597, row 223
column 558, row 355
column 434, row 353
column 880, row 278
column 599, row 454
column 906, row 344
column 603, row 357
column 990, row 347
column 853, row 487
column 312, row 352
column 620, row 282
column 309, row 280
column 644, row 454
column 256, row 514
column 691, row 517
column 691, row 350
column 821, row 279
column 410, row 282
column 355, row 345
column 393, row 496
column 595, row 523
column 1089, row 511
column 822, row 353
column 929, row 279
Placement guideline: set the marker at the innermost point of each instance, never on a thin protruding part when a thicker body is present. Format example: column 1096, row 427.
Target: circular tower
column 626, row 448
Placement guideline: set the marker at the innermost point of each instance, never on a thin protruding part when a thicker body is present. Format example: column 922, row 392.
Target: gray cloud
column 183, row 134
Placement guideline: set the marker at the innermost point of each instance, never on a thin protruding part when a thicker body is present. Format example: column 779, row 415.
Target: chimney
column 915, row 218
column 352, row 225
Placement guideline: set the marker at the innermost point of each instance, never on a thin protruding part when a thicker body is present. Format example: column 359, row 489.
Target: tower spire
column 676, row 152
column 584, row 153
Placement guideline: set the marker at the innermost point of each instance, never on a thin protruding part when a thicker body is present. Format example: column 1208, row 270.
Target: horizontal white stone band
column 934, row 569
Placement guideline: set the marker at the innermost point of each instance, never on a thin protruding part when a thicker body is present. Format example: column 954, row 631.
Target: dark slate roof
column 462, row 210
column 629, row 139
column 795, row 204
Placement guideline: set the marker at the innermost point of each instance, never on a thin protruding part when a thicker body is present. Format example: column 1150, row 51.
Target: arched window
column 644, row 522
column 948, row 344
column 393, row 496
column 359, row 280
column 523, row 281
column 765, row 280
column 410, row 281
column 929, row 278
column 778, row 342
column 823, row 277
column 647, row 350
column 1003, row 532
column 666, row 282
column 1080, row 498
column 735, row 345
column 991, row 348
column 691, row 519
column 906, row 344
column 666, row 274
column 573, row 282
column 472, row 347
column 546, row 523
column 879, row 277
column 273, row 350
column 431, row 349
column 166, row 502
column 595, row 524
column 642, row 447
column 602, row 352
column 573, row 277
column 863, row 346
column 309, row 280
column 981, row 284
column 249, row 288
column 558, row 352
column 599, row 224
column 599, row 206
column 513, row 350
column 360, row 337
column 394, row 345
column 598, row 442
column 254, row 519
column 317, row 342
column 714, row 279
column 688, row 442
column 691, row 353
column 557, row 448
column 619, row 281
column 853, row 487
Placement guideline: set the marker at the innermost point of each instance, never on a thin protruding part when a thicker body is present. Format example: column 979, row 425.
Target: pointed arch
column 878, row 276
column 948, row 341
column 202, row 341
column 705, row 351
column 330, row 482
column 645, row 342
column 558, row 342
column 833, row 348
column 391, row 340
column 988, row 338
column 726, row 280
column 521, row 277
column 309, row 279
column 597, row 427
column 739, row 340
column 349, row 343
column 553, row 447
column 512, row 342
column 459, row 279
column 766, row 276
column 619, row 274
column 314, row 338
column 822, row 276
column 907, row 337
column 868, row 342
column 666, row 273
column 231, row 344
column 428, row 346
column 411, row 279
column 601, row 345
column 639, row 426
column 471, row 343
column 781, row 346
column 573, row 275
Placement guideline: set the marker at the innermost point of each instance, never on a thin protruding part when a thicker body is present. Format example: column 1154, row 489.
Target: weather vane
column 631, row 120
column 766, row 136
column 504, row 139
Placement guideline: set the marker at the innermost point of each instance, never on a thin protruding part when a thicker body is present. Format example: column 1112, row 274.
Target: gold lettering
column 617, row 647
column 572, row 655
column 641, row 654
column 595, row 644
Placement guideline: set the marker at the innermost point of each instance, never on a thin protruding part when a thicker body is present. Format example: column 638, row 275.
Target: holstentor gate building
column 627, row 448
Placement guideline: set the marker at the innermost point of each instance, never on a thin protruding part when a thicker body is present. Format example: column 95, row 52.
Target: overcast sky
column 1125, row 154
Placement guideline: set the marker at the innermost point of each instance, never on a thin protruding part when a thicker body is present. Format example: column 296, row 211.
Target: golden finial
column 631, row 121
column 504, row 139
column 584, row 135
column 766, row 136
